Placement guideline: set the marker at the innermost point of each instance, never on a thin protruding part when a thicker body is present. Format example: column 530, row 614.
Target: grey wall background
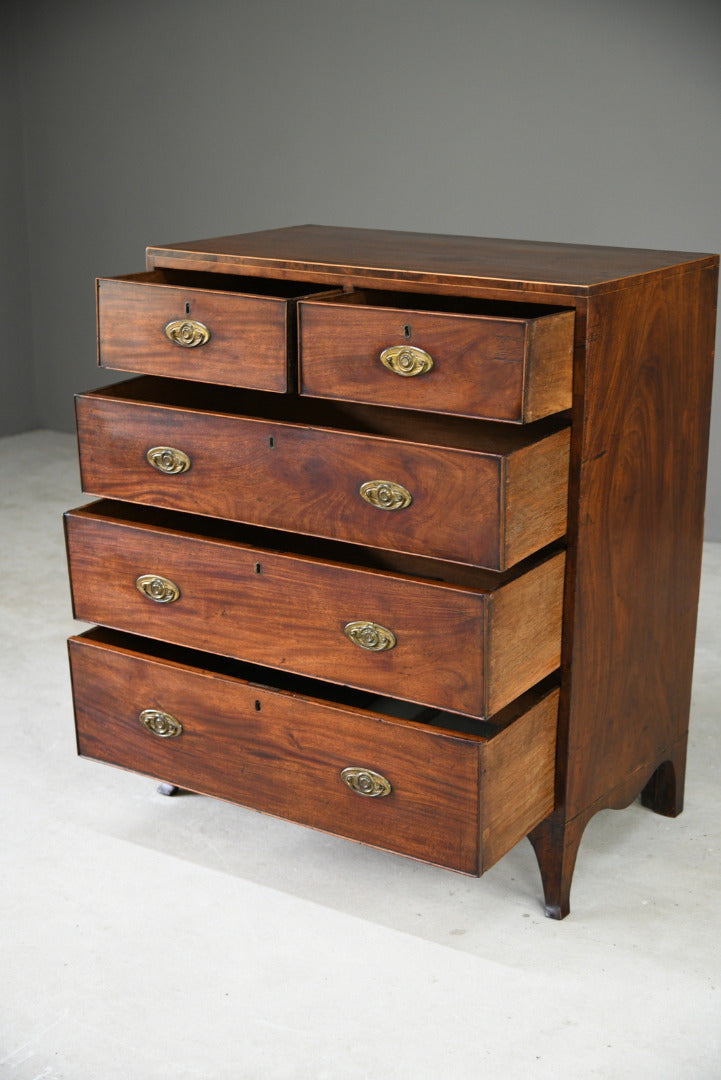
column 17, row 374
column 149, row 121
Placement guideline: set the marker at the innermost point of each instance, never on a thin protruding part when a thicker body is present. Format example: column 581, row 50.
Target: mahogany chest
column 398, row 535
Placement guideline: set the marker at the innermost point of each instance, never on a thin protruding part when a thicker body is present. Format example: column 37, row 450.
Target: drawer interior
column 442, row 305
column 283, row 682
column 311, row 548
column 231, row 283
column 456, row 432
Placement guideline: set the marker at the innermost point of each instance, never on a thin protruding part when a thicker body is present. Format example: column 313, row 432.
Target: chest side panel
column 641, row 490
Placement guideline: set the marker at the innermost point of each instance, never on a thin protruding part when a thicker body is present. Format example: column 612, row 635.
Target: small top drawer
column 235, row 331
column 468, row 357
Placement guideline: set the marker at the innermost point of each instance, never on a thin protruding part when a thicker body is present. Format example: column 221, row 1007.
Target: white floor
column 152, row 938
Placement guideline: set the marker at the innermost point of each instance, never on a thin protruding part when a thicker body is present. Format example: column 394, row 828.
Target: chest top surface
column 383, row 256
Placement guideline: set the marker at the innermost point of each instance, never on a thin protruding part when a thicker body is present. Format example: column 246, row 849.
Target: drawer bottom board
column 457, row 799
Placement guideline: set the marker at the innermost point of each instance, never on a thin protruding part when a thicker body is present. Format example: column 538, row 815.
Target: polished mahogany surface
column 433, row 259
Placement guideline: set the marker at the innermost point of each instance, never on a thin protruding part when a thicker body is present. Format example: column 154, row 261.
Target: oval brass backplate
column 157, row 588
column 370, row 636
column 160, row 723
column 365, row 782
column 386, row 495
column 406, row 360
column 168, row 460
column 187, row 332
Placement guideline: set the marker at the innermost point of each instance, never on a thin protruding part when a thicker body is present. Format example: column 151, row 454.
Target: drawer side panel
column 517, row 779
column 536, row 490
column 550, row 370
column 524, row 634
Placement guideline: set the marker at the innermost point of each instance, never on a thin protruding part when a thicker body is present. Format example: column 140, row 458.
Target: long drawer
column 457, row 799
column 469, row 641
column 483, row 494
column 510, row 362
column 230, row 330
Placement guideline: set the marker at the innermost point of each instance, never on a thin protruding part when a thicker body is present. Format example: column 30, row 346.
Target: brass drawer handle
column 187, row 332
column 157, row 588
column 168, row 460
column 365, row 782
column 406, row 360
column 385, row 495
column 160, row 723
column 370, row 636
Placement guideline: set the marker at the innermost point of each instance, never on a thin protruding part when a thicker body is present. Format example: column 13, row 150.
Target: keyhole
column 257, row 706
column 258, row 568
column 271, row 442
column 406, row 331
column 187, row 308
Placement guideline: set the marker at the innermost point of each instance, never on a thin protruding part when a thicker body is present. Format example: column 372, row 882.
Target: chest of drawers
column 398, row 535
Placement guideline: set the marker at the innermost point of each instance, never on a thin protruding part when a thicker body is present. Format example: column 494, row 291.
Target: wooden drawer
column 230, row 330
column 459, row 799
column 481, row 494
column 498, row 361
column 468, row 641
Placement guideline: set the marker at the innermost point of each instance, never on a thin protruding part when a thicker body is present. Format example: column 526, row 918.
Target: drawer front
column 286, row 754
column 415, row 640
column 483, row 509
column 228, row 337
column 516, row 370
